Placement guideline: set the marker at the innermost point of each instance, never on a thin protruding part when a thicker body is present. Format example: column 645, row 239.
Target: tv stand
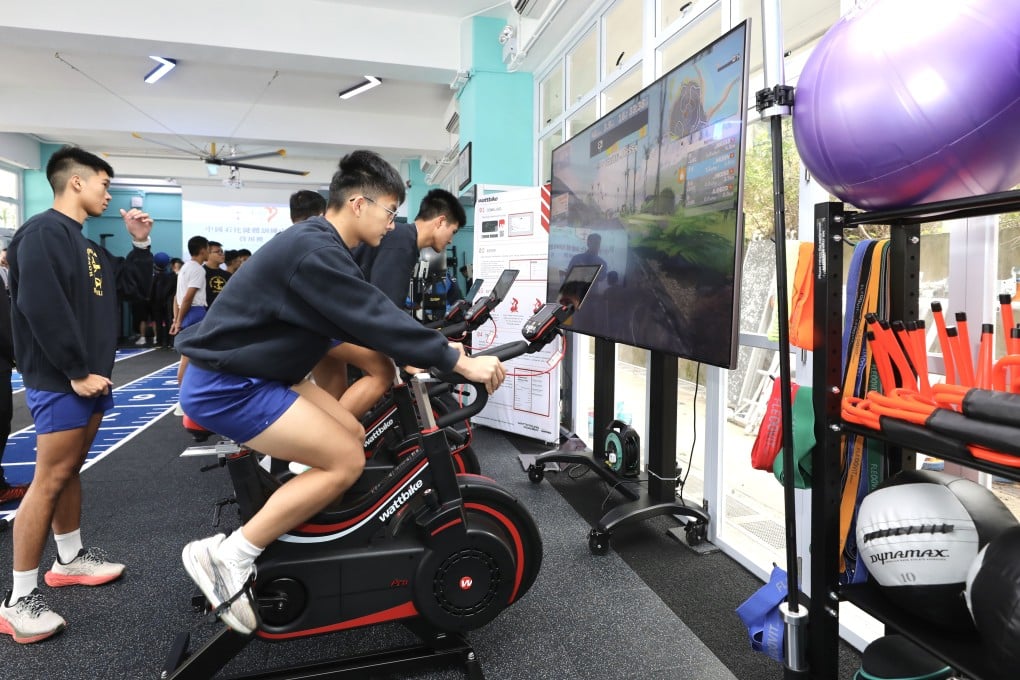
column 659, row 498
column 586, row 457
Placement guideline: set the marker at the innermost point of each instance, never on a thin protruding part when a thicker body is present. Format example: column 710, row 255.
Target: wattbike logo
column 378, row 432
column 898, row 555
column 404, row 496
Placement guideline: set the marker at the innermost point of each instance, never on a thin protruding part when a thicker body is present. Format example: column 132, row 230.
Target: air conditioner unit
column 452, row 117
column 443, row 167
column 531, row 8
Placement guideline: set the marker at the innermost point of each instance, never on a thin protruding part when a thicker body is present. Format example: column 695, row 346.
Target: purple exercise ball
column 912, row 101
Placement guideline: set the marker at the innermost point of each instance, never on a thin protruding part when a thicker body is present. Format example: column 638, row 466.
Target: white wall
column 19, row 150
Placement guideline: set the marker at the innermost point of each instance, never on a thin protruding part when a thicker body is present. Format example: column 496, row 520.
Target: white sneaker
column 89, row 568
column 140, row 341
column 29, row 619
column 221, row 581
column 178, row 411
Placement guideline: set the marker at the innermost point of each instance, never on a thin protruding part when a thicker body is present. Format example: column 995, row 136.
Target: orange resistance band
column 1012, row 348
column 963, row 377
column 965, row 358
column 1006, row 309
column 947, row 349
column 984, row 374
column 916, row 340
column 1010, row 362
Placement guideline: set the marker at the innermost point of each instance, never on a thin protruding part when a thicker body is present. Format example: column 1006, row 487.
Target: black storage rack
column 961, row 651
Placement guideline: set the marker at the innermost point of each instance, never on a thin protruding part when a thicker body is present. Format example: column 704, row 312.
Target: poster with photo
column 511, row 233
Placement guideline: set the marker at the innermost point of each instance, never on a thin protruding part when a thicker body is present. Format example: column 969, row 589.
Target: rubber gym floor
column 650, row 609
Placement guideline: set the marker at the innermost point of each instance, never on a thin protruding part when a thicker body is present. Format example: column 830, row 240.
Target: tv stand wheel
column 536, row 473
column 598, row 542
column 696, row 532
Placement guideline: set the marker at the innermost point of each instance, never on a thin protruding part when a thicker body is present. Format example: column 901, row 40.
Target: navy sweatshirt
column 301, row 289
column 390, row 266
column 65, row 311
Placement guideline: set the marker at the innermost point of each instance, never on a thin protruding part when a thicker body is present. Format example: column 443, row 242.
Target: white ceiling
column 72, row 73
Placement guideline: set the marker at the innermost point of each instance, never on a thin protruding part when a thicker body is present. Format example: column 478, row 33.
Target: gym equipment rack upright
column 961, row 651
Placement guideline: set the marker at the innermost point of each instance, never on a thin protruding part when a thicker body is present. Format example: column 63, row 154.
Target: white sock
column 68, row 545
column 24, row 583
column 236, row 548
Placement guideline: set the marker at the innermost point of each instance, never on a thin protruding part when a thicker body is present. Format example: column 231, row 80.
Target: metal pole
column 774, row 103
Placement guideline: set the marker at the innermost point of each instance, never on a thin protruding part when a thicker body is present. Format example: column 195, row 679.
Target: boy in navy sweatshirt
column 389, row 268
column 269, row 327
column 64, row 303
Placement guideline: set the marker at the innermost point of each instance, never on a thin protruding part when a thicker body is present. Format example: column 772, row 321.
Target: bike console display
column 480, row 310
column 572, row 293
column 456, row 312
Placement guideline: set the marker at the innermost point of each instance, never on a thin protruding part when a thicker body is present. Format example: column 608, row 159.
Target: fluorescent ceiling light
column 370, row 82
column 165, row 66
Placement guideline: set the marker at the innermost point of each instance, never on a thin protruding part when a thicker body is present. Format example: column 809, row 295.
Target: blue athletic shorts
column 233, row 406
column 59, row 411
column 335, row 343
column 194, row 315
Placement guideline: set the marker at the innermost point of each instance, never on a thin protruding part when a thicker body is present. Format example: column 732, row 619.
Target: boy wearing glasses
column 215, row 275
column 269, row 327
column 388, row 267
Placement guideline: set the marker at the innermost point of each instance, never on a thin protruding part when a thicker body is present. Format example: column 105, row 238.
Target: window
column 623, row 34
column 673, row 10
column 625, row 86
column 547, row 144
column 716, row 411
column 803, row 22
column 552, row 96
column 10, row 198
column 582, row 68
column 1008, row 277
column 701, row 31
column 581, row 119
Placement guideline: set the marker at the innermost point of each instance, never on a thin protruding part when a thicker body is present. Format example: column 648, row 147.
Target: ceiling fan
column 224, row 155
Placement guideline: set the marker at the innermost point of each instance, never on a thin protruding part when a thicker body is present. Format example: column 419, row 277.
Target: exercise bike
column 441, row 552
column 393, row 418
column 390, row 421
column 445, row 553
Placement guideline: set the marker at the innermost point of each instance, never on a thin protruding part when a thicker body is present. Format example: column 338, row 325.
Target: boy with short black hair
column 65, row 311
column 305, row 204
column 251, row 354
column 215, row 276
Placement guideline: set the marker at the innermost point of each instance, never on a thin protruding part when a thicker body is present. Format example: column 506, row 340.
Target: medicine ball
column 622, row 449
column 918, row 534
column 993, row 596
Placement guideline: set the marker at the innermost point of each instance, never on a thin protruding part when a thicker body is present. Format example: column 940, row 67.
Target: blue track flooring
column 18, row 385
column 136, row 405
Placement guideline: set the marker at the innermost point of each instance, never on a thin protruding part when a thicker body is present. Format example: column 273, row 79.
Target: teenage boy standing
column 64, row 299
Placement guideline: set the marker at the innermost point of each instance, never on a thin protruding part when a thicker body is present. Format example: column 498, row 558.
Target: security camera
column 506, row 34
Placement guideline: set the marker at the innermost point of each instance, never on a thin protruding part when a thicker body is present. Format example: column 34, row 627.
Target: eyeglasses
column 392, row 213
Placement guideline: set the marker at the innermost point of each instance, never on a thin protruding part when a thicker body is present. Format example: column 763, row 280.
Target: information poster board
column 235, row 226
column 511, row 230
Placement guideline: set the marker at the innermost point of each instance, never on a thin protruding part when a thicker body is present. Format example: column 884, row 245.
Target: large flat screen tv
column 653, row 192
